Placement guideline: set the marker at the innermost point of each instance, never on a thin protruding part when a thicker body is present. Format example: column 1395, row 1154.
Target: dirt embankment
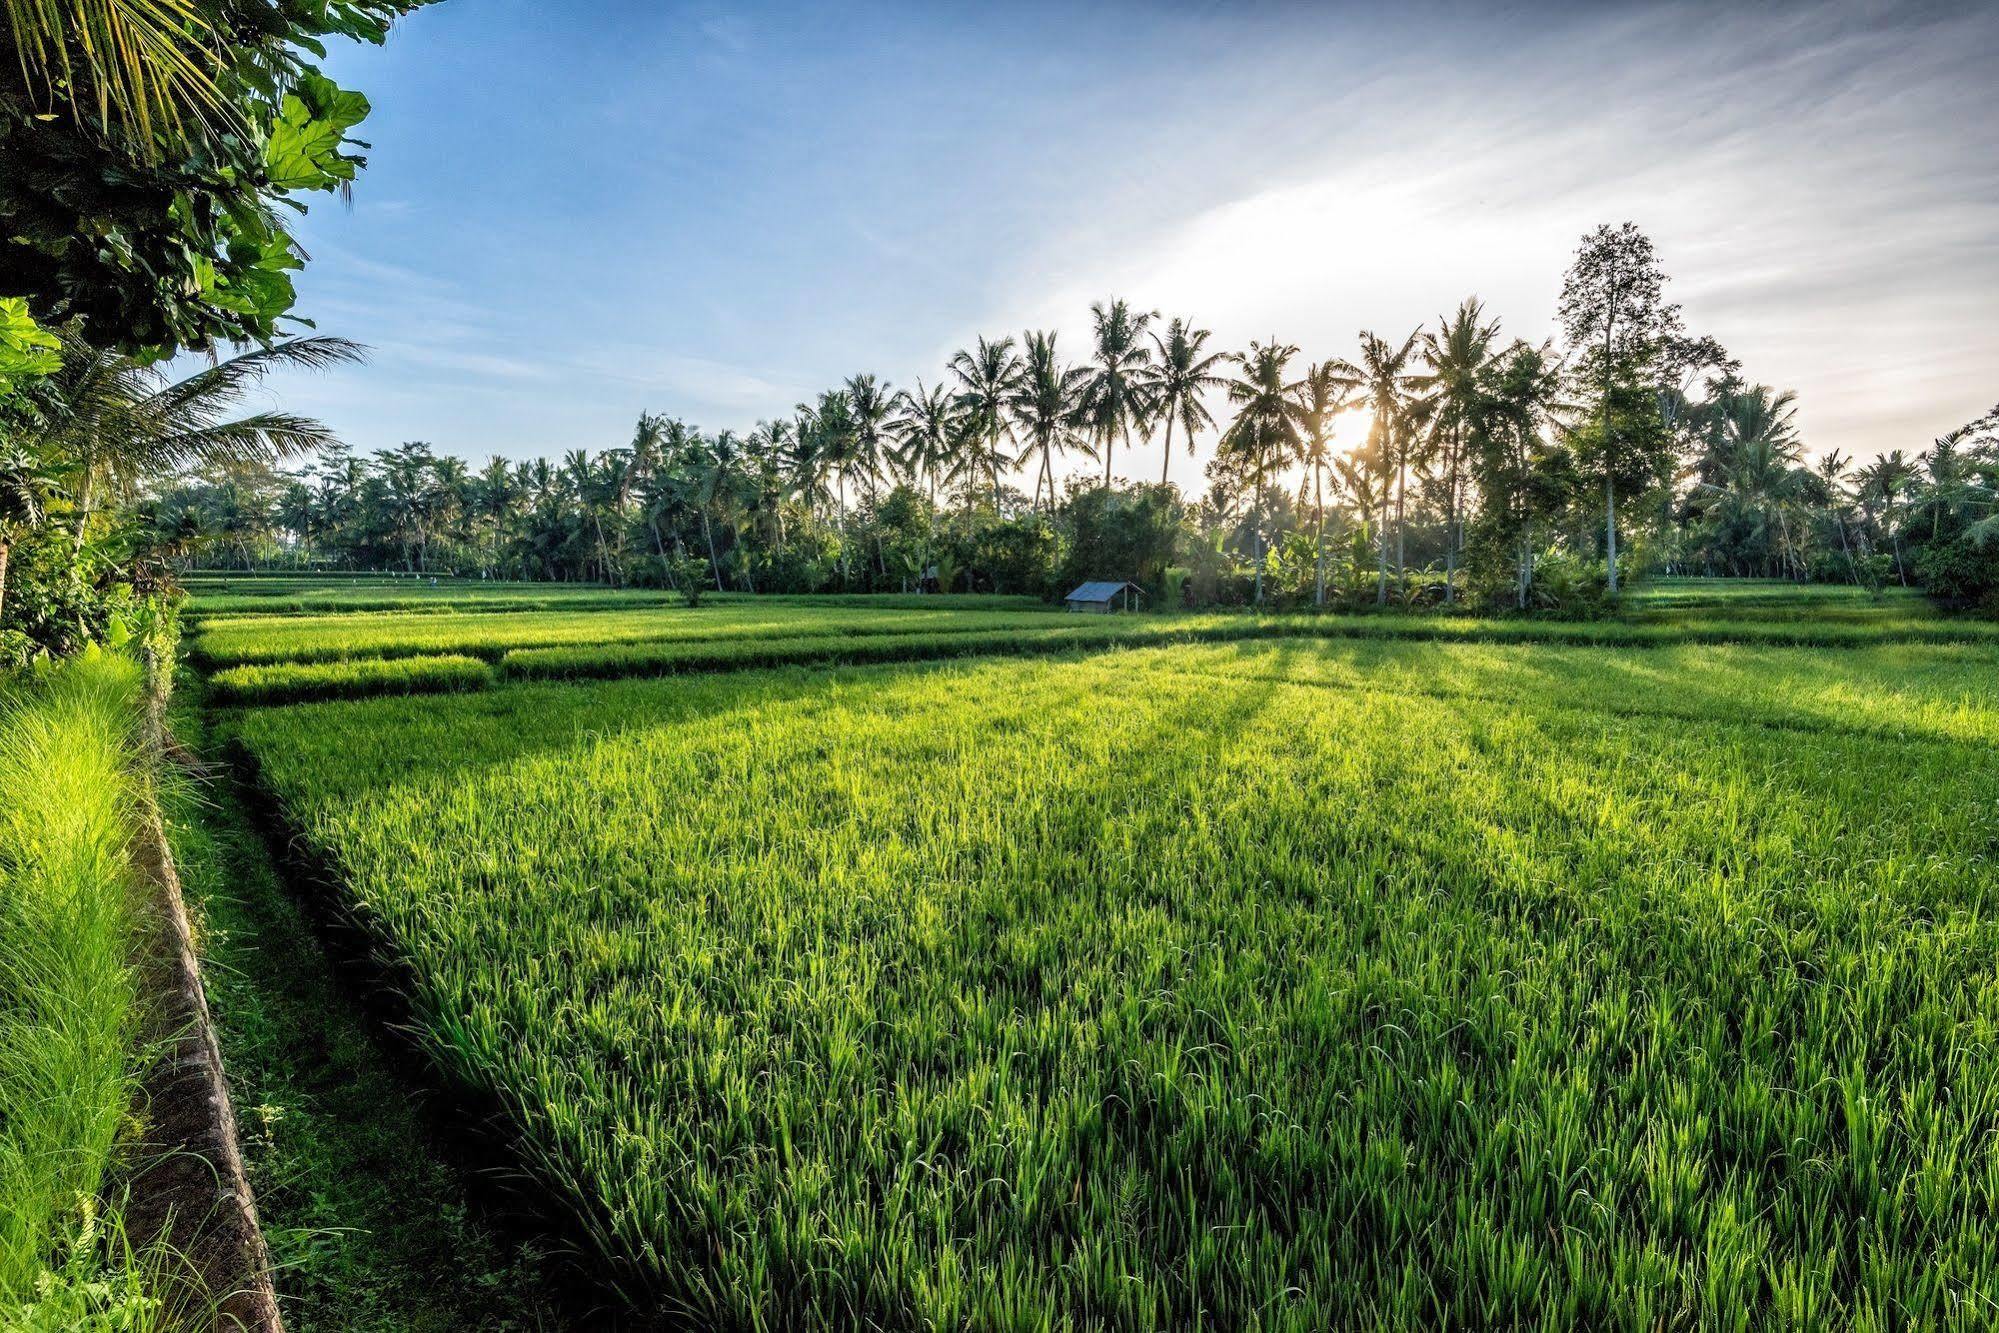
column 189, row 1189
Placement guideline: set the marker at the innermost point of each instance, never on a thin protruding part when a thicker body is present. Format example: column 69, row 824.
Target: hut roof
column 1102, row 591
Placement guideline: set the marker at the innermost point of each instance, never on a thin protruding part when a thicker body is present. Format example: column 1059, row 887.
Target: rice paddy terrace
column 841, row 965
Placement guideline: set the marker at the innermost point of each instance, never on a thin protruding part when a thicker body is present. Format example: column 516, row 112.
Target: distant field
column 214, row 595
column 226, row 641
column 1322, row 982
column 612, row 636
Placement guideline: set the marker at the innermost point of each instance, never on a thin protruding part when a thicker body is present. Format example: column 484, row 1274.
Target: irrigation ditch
column 468, row 1127
column 188, row 1194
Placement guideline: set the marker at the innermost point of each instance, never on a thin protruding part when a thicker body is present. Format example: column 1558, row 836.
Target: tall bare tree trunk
column 1259, row 529
column 1610, row 528
column 1167, row 461
column 1319, row 557
column 83, row 499
column 708, row 535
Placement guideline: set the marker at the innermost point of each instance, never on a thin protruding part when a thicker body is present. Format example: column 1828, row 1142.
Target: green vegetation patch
column 1301, row 985
column 244, row 640
column 69, row 1002
column 290, row 682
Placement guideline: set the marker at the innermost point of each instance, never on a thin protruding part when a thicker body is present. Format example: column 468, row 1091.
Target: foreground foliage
column 1279, row 986
column 69, row 1005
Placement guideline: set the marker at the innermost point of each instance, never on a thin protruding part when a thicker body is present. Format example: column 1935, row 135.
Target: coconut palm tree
column 871, row 410
column 1392, row 390
column 986, row 378
column 927, row 433
column 1267, row 429
column 108, row 422
column 1457, row 355
column 1322, row 395
column 1045, row 403
column 1116, row 396
column 1183, row 371
column 1881, row 486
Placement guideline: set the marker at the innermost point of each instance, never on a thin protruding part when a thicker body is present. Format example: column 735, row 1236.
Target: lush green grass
column 1773, row 599
column 245, row 640
column 69, row 1003
column 292, row 682
column 1289, row 985
column 369, row 1225
column 602, row 642
column 212, row 596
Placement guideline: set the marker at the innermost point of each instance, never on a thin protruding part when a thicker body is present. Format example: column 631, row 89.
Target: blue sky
column 575, row 212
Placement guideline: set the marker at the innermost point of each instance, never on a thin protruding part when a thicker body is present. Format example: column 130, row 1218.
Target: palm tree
column 1882, row 484
column 1383, row 376
column 871, row 409
column 108, row 421
column 986, row 378
column 413, row 499
column 1116, row 395
column 1183, row 372
column 26, row 483
column 1322, row 395
column 1457, row 355
column 926, row 428
column 147, row 69
column 1045, row 404
column 1266, row 429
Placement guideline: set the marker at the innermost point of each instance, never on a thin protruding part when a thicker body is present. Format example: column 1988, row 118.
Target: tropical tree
column 1383, row 377
column 1266, row 431
column 1116, row 393
column 1177, row 382
column 108, row 422
column 1456, row 355
column 26, row 483
column 1044, row 407
column 1615, row 316
column 1517, row 476
column 927, row 434
column 1322, row 395
column 987, row 376
column 169, row 132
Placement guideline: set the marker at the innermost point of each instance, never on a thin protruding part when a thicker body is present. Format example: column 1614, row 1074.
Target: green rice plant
column 330, row 593
column 1292, row 985
column 69, row 1004
column 237, row 641
column 291, row 682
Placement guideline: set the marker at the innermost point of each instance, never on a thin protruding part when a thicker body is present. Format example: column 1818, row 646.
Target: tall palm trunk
column 1381, row 548
column 992, row 465
column 83, row 506
column 714, row 564
column 1259, row 528
column 1454, row 527
column 1319, row 514
column 1610, row 530
column 1167, row 461
column 1401, row 488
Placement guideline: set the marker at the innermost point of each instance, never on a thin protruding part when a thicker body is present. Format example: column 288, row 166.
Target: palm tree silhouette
column 1266, row 430
column 1182, row 372
column 1115, row 395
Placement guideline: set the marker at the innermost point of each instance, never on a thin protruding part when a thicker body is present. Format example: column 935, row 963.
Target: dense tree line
column 1494, row 472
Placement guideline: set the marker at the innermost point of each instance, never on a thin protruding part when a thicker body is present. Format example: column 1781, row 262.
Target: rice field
column 1303, row 982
